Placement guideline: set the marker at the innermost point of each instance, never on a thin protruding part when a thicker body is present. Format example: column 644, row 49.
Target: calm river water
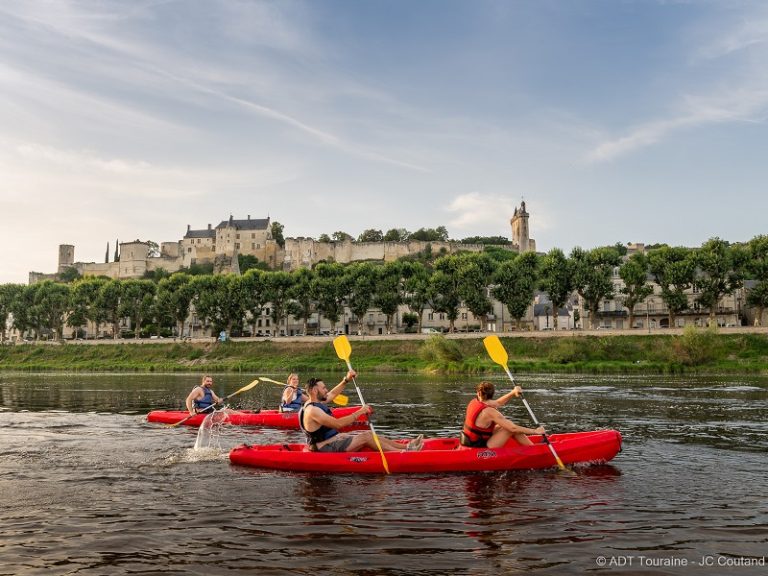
column 88, row 487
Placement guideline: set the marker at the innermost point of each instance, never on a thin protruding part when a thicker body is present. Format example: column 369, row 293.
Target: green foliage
column 249, row 262
column 439, row 234
column 438, row 349
column 488, row 240
column 397, row 235
column 69, row 274
column 371, row 235
column 277, row 234
column 696, row 347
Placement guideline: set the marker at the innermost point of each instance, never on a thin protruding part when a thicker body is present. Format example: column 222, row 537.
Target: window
column 253, row 246
column 189, row 250
column 253, row 235
column 237, row 245
column 237, row 236
column 267, row 323
column 463, row 315
column 430, row 316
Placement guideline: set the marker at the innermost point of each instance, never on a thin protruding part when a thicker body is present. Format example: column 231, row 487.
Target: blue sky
column 616, row 121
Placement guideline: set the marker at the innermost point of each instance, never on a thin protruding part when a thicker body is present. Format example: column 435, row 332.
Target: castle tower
column 66, row 257
column 520, row 233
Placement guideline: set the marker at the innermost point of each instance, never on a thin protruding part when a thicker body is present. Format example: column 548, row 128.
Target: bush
column 696, row 347
column 437, row 349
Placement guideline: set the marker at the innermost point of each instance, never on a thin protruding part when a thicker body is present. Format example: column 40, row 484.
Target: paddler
column 202, row 397
column 485, row 426
column 322, row 428
column 293, row 396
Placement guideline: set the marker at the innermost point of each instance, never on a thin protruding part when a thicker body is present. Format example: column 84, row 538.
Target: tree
column 340, row 236
column 303, row 300
column 439, row 234
column 592, row 277
column 556, row 279
column 634, row 273
column 486, row 240
column 85, row 303
column 757, row 266
column 475, row 273
column 254, row 294
column 674, row 270
column 69, row 274
column 154, row 249
column 515, row 283
column 388, row 293
column 249, row 262
column 446, row 288
column 52, row 301
column 108, row 302
column 137, row 302
column 277, row 233
column 324, row 238
column 8, row 295
column 721, row 272
column 219, row 300
column 417, row 294
column 396, row 235
column 174, row 299
column 371, row 235
column 360, row 279
column 329, row 290
column 277, row 290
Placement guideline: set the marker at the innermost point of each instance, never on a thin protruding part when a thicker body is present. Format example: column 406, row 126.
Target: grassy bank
column 693, row 351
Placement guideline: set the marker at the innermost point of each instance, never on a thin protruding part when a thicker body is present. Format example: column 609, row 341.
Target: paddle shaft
column 536, row 421
column 221, row 401
column 370, row 424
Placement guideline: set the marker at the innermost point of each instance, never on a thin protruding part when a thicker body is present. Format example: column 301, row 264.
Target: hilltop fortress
column 221, row 246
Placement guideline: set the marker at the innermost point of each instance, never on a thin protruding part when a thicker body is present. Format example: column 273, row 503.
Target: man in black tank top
column 321, row 427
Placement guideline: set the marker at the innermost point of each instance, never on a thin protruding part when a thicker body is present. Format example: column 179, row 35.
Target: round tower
column 520, row 233
column 66, row 256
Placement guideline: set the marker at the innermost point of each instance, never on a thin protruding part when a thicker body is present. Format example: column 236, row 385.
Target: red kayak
column 270, row 418
column 438, row 455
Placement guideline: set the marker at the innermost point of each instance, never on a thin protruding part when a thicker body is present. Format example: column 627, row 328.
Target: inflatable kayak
column 270, row 418
column 438, row 455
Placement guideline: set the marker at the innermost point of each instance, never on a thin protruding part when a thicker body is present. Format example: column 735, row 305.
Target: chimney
column 230, row 219
column 209, row 226
column 188, row 228
column 249, row 216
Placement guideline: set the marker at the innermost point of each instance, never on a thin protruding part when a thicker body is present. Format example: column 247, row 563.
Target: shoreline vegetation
column 706, row 351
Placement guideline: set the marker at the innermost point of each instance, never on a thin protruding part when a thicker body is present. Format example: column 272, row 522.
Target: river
column 90, row 488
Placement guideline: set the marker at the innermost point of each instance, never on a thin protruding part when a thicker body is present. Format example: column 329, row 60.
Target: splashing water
column 208, row 436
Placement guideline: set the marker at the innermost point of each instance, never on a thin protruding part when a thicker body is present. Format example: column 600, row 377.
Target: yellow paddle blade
column 495, row 349
column 343, row 347
column 244, row 388
column 265, row 379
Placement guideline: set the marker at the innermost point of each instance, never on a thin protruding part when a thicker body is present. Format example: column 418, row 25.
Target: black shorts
column 479, row 443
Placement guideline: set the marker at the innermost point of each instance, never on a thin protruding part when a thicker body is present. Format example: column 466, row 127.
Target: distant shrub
column 438, row 349
column 696, row 347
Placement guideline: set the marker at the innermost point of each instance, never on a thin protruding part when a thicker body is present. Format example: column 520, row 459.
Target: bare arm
column 339, row 388
column 320, row 418
column 514, row 393
column 196, row 393
column 497, row 418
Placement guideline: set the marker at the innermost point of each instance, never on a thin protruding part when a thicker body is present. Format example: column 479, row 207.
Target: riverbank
column 702, row 351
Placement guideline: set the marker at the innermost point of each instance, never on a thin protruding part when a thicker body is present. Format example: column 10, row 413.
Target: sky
column 616, row 121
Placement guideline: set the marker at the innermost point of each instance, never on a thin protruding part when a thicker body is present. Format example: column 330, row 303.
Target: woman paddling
column 293, row 396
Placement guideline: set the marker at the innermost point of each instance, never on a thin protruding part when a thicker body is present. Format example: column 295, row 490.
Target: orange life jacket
column 474, row 433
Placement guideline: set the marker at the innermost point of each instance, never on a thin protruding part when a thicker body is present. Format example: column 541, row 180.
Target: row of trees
column 443, row 283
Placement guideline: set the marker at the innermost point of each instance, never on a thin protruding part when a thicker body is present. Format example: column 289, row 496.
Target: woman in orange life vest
column 485, row 426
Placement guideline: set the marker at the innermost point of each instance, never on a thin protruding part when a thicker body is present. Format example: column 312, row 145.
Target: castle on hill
column 222, row 244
